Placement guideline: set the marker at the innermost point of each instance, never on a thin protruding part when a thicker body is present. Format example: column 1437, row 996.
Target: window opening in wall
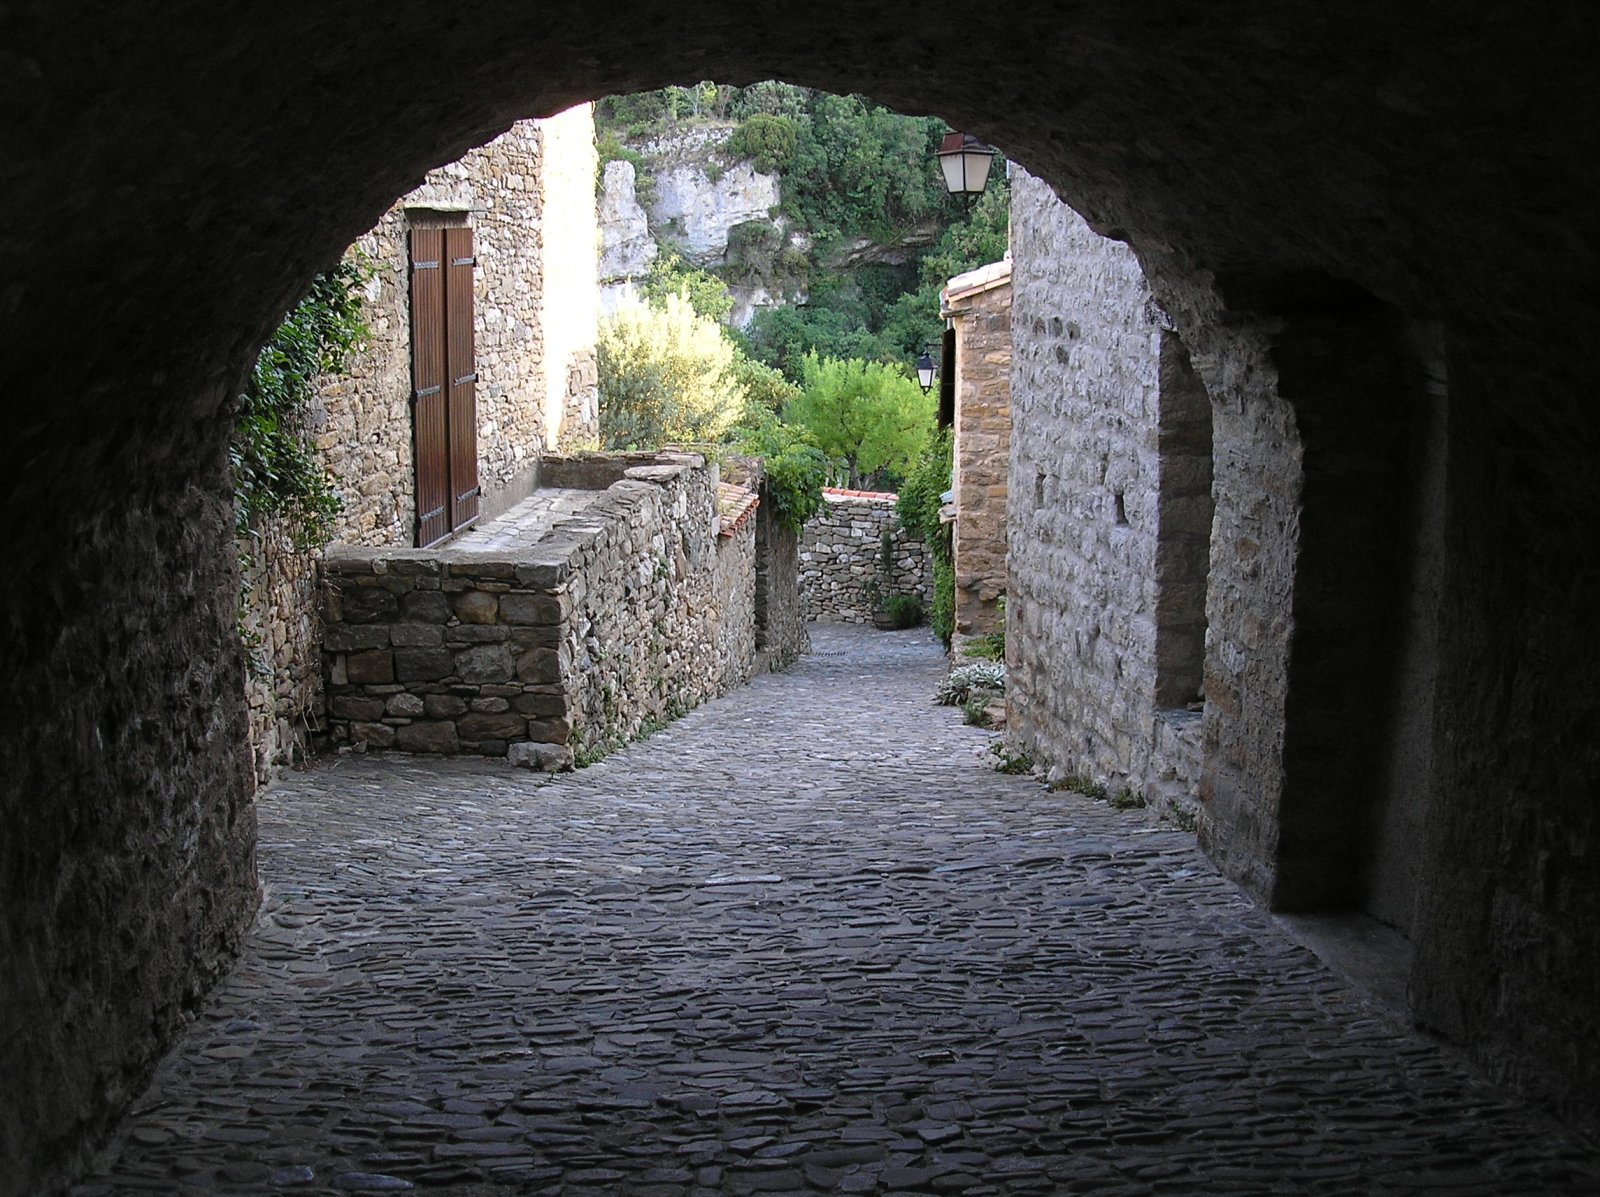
column 1122, row 510
column 1183, row 538
column 444, row 407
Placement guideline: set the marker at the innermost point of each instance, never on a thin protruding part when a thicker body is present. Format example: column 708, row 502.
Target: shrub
column 921, row 496
column 795, row 468
column 963, row 680
column 904, row 610
column 766, row 139
column 666, row 376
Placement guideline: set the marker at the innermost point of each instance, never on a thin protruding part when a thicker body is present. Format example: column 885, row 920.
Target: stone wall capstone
column 843, row 557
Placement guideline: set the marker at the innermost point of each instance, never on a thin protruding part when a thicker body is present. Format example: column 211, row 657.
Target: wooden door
column 444, row 392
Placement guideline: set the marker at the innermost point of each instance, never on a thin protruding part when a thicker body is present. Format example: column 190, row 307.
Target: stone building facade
column 528, row 199
column 1187, row 518
column 633, row 609
column 978, row 306
column 1111, row 465
column 854, row 553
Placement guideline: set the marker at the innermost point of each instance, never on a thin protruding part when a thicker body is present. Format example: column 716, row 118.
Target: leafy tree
column 912, row 320
column 275, row 468
column 666, row 376
column 796, row 469
column 704, row 292
column 868, row 417
column 762, row 385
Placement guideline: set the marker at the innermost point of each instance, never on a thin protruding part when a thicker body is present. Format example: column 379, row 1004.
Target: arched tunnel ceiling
column 173, row 172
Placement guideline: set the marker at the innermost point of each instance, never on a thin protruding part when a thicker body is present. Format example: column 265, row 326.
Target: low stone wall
column 625, row 614
column 842, row 556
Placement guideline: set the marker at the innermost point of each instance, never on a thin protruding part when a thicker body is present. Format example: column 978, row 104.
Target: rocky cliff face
column 694, row 203
column 626, row 246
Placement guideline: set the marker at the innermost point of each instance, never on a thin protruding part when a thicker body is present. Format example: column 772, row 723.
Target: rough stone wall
column 204, row 198
column 979, row 304
column 1086, row 465
column 528, row 197
column 281, row 630
column 841, row 558
column 127, row 865
column 781, row 635
column 630, row 612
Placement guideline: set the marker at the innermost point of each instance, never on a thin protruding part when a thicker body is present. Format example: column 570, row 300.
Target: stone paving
column 804, row 940
column 524, row 524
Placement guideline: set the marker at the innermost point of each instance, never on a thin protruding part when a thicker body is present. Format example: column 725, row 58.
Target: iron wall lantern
column 965, row 161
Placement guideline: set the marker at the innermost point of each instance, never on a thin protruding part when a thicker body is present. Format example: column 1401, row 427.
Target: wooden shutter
column 461, row 371
column 428, row 393
column 947, row 379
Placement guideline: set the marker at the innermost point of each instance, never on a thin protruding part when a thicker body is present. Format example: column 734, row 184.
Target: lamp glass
column 925, row 372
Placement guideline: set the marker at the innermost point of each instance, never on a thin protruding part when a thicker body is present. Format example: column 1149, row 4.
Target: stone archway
column 174, row 173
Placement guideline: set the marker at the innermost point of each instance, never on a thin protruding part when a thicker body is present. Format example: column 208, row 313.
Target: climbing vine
column 275, row 469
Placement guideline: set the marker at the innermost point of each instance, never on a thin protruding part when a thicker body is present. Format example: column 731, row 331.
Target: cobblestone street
column 803, row 940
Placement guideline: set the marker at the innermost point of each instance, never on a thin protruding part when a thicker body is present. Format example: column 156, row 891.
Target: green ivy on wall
column 275, row 469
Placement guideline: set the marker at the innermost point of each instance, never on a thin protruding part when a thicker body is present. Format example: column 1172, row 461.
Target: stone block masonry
column 619, row 616
column 1090, row 566
column 842, row 558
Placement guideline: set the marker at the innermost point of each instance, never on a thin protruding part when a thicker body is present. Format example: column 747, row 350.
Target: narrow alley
column 805, row 939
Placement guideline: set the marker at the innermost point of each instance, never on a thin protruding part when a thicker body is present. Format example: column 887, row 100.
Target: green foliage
column 867, row 417
column 671, row 275
column 928, row 479
column 766, row 139
column 275, row 469
column 965, row 679
column 1006, row 761
column 1182, row 819
column 762, row 385
column 666, row 376
column 903, row 610
column 1081, row 785
column 942, row 618
column 796, row 470
column 1126, row 799
column 918, row 508
column 753, row 247
column 982, row 236
column 782, row 337
column 991, row 646
column 858, row 168
column 975, row 711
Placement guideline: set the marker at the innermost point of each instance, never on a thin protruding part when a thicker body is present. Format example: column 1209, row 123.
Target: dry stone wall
column 842, row 558
column 529, row 198
column 623, row 615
